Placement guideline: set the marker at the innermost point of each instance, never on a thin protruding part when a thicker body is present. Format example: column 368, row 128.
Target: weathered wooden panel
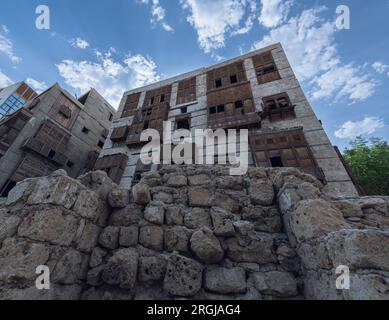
column 119, row 134
column 186, row 91
column 278, row 107
column 114, row 165
column 56, row 114
column 131, row 105
column 226, row 76
column 265, row 68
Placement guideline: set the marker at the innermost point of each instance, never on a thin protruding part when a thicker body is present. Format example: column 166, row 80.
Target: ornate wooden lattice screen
column 186, row 91
column 284, row 149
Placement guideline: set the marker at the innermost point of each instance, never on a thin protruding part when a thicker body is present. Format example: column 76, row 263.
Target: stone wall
column 192, row 232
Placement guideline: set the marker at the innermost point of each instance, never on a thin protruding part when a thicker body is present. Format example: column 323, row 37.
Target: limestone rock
column 141, row 193
column 174, row 216
column 230, row 182
column 255, row 248
column 199, row 180
column 122, row 268
column 223, row 280
column 359, row 249
column 206, row 246
column 127, row 216
column 118, row 197
column 243, row 227
column 97, row 257
column 348, row 208
column 19, row 259
column 197, row 218
column 155, row 214
column 20, row 192
column 88, row 237
column 265, row 219
column 177, row 181
column 97, row 181
column 277, row 283
column 176, row 239
column 109, row 237
column 152, row 268
column 183, row 276
column 199, row 197
column 60, row 190
column 87, row 205
column 261, row 192
column 50, row 224
column 128, row 236
column 315, row 218
column 151, row 237
column 8, row 225
column 70, row 268
column 222, row 223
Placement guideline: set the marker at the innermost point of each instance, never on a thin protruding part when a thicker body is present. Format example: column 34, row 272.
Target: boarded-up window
column 119, row 134
column 226, row 76
column 114, row 165
column 283, row 149
column 265, row 68
column 278, row 107
column 131, row 105
column 186, row 91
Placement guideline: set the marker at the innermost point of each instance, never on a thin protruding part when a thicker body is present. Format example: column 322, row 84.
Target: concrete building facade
column 14, row 97
column 53, row 131
column 258, row 91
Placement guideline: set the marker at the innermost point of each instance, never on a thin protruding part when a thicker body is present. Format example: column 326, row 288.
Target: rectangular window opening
column 276, row 162
column 218, row 83
column 233, row 79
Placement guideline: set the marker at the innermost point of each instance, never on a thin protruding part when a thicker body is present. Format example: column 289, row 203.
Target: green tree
column 369, row 163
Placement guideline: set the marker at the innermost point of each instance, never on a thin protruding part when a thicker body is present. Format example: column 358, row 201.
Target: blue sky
column 116, row 45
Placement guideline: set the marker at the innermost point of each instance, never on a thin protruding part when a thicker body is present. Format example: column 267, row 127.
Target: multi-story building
column 53, row 131
column 13, row 97
column 257, row 91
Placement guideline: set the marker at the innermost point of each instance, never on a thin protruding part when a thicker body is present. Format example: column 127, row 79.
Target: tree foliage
column 369, row 163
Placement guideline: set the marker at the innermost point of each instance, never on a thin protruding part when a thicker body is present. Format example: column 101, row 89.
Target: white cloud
column 309, row 42
column 79, row 43
column 215, row 20
column 6, row 45
column 158, row 14
column 380, row 67
column 350, row 129
column 37, row 85
column 274, row 12
column 5, row 81
column 111, row 78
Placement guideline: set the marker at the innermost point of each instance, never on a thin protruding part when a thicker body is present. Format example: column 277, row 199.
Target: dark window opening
column 51, row 154
column 184, row 109
column 276, row 162
column 110, row 116
column 69, row 164
column 212, row 110
column 220, row 108
column 272, row 105
column 149, row 111
column 8, row 186
column 152, row 100
column 85, row 130
column 100, row 144
column 145, row 125
column 218, row 83
column 297, row 137
column 269, row 69
column 283, row 102
column 162, row 98
column 269, row 141
column 233, row 79
column 238, row 104
column 183, row 124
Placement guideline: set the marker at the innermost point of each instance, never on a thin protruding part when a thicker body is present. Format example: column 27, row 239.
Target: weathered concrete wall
column 192, row 232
